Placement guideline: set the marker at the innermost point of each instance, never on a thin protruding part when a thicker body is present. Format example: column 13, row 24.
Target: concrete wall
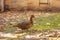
column 22, row 3
column 40, row 4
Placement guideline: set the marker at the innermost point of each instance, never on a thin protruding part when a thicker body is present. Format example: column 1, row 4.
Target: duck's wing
column 25, row 23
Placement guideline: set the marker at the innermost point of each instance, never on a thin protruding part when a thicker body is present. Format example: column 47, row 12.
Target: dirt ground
column 32, row 35
column 11, row 17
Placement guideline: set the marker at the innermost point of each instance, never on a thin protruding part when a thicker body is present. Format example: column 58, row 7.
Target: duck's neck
column 31, row 20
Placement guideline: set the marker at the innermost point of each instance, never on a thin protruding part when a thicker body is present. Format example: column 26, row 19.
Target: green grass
column 50, row 22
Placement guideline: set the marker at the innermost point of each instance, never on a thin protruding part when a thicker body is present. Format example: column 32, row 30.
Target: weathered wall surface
column 34, row 4
column 55, row 4
column 22, row 3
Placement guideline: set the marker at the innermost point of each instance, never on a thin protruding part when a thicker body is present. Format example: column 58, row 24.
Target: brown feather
column 26, row 24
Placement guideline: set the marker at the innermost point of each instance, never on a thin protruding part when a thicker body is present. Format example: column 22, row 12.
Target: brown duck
column 26, row 24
